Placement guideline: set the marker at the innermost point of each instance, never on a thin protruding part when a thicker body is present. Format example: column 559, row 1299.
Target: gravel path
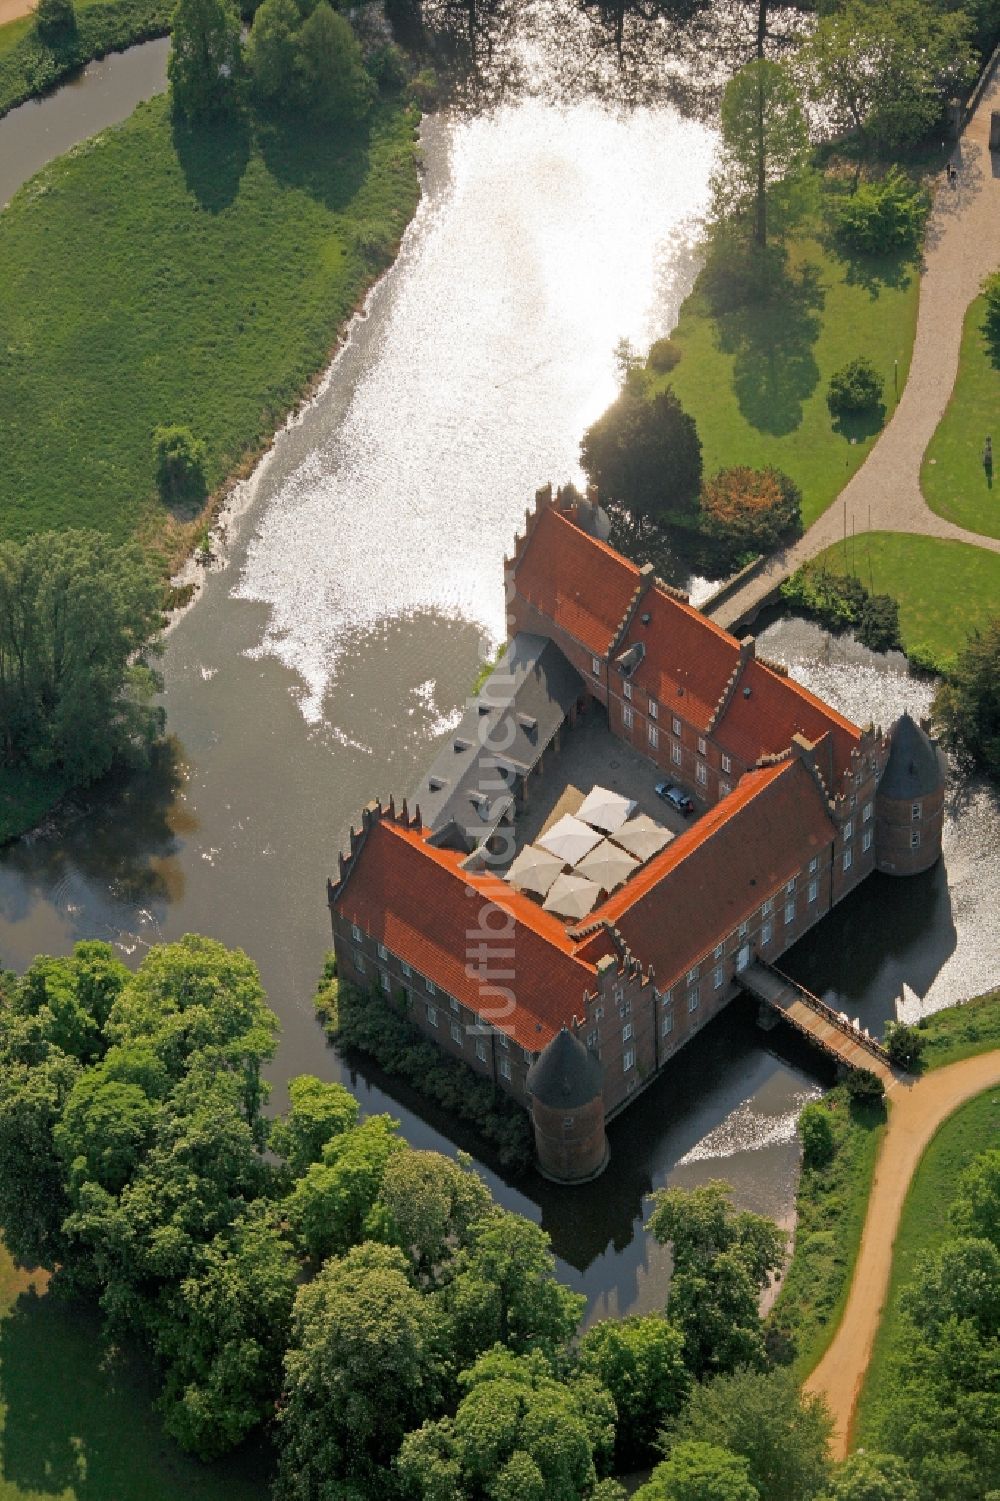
column 963, row 246
column 918, row 1109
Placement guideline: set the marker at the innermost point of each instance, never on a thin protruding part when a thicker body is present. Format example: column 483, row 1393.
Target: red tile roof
column 581, row 584
column 688, row 659
column 417, row 900
column 703, row 885
column 777, row 709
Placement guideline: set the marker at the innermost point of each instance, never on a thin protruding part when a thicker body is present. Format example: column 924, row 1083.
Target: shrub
column 864, row 1087
column 924, row 659
column 967, row 704
column 840, row 600
column 425, row 89
column 880, row 217
column 55, row 21
column 180, row 464
column 816, row 1133
column 664, row 356
column 991, row 291
column 751, row 509
column 878, row 623
column 904, row 1045
column 855, row 388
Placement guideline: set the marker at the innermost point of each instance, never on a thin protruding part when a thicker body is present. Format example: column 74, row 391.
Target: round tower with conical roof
column 566, row 1085
column 909, row 805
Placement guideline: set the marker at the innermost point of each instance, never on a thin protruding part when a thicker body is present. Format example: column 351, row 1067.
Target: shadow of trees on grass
column 771, row 338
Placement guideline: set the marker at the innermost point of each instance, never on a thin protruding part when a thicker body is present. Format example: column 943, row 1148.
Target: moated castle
column 539, row 909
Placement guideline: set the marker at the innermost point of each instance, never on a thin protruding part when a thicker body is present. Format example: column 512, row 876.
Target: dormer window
column 435, row 784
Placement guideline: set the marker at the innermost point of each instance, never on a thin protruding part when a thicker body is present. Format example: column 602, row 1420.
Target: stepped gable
column 714, row 876
column 426, row 909
column 565, row 1075
column 914, row 768
column 575, row 580
column 688, row 660
column 767, row 710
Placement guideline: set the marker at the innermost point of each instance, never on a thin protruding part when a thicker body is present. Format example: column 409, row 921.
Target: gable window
column 702, row 773
column 693, row 1000
column 627, row 690
column 743, row 929
column 628, row 1061
column 595, row 666
column 456, row 1033
column 653, row 710
column 677, row 726
column 505, row 1067
column 790, row 911
column 653, row 734
column 481, row 1050
column 675, row 754
column 813, row 890
column 627, row 1032
column 848, row 859
column 432, row 1015
column 355, row 932
column 627, row 716
column 866, row 842
column 727, row 765
column 916, row 811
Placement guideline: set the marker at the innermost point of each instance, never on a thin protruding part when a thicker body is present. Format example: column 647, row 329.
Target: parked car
column 676, row 797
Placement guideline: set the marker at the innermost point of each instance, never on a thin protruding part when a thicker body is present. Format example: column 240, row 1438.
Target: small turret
column 909, row 805
column 566, row 1085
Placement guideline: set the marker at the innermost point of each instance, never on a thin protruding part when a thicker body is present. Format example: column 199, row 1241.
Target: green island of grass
column 923, row 1228
column 945, row 589
column 954, row 481
column 158, row 274
column 754, row 377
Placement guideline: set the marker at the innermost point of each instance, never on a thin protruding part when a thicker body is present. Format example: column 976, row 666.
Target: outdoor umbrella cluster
column 607, row 866
column 605, row 810
column 569, row 839
column 643, row 837
column 534, row 870
column 572, row 896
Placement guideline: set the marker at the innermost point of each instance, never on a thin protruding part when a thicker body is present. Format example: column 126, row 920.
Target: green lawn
column 155, row 275
column 923, row 1227
column 953, row 479
column 830, row 1207
column 945, row 589
column 962, row 1031
column 755, row 379
column 75, row 1418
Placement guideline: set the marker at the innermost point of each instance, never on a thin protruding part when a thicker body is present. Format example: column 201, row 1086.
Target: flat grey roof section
column 501, row 736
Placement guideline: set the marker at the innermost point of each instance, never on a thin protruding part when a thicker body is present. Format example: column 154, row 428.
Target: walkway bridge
column 830, row 1030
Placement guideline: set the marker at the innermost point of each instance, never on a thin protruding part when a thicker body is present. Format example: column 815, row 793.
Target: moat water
column 361, row 587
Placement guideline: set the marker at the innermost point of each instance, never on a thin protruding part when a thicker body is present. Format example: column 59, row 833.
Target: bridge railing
column 833, row 1017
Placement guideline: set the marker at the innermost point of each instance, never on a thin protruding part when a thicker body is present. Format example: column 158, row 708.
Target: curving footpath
column 962, row 247
column 918, row 1109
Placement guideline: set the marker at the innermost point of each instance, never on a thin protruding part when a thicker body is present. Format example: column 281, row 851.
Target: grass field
column 75, row 1417
column 945, row 589
column 962, row 1031
column 923, row 1226
column 830, row 1206
column 755, row 379
column 952, row 477
column 155, row 275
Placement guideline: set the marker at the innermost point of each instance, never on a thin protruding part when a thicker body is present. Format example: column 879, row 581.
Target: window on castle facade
column 383, row 952
column 505, row 1067
column 692, row 975
column 675, row 753
column 866, row 842
column 768, row 907
column 867, row 813
column 627, row 691
column 454, row 1005
column 359, row 961
column 727, row 765
column 592, row 1040
column 693, row 999
column 915, row 839
column 568, row 1122
column 653, row 734
column 529, row 1056
column 790, row 912
column 790, row 887
column 667, row 1024
column 627, row 1032
column 595, row 666
column 813, row 890
column 619, row 994
column 677, row 726
column 628, row 1060
column 724, row 789
column 383, row 980
column 719, row 950
column 456, row 1033
column 848, row 829
column 766, row 933
column 481, row 1049
column 503, row 1039
column 702, row 747
column 720, row 976
column 702, row 773
column 355, row 932
column 814, row 865
column 743, row 929
column 848, row 859
column 666, row 998
column 432, row 1015
column 916, row 811
column 431, row 987
column 406, row 968
column 627, row 716
column 653, row 710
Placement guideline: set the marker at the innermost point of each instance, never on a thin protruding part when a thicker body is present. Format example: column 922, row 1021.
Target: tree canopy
column 308, row 60
column 205, row 66
column 967, row 703
column 641, row 1362
column 697, row 1471
column 765, row 148
column 644, row 454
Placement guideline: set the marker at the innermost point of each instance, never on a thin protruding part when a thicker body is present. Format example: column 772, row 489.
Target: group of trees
column 967, row 702
column 76, row 618
column 402, row 1337
column 939, row 1405
column 301, row 57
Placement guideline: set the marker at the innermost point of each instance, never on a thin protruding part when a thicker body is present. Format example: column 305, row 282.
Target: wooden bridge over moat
column 840, row 1038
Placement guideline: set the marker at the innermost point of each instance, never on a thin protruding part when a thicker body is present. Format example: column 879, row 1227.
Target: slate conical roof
column 564, row 1075
column 914, row 767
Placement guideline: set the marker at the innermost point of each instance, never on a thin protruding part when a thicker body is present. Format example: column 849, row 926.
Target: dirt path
column 917, row 1110
column 962, row 247
column 12, row 10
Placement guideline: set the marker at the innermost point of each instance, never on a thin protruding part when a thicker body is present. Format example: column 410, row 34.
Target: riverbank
column 28, row 67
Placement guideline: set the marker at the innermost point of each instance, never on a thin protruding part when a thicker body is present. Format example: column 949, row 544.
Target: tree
column 427, row 1206
column 905, row 1045
column 816, row 1134
column 864, row 1087
column 698, row 1471
column 317, row 1113
column 330, row 1204
column 967, row 703
column 334, row 86
column 872, row 1477
column 76, row 616
column 883, row 216
column 363, row 1368
column 975, row 1209
column 723, row 1259
column 640, row 1360
column 780, row 1432
column 751, row 509
column 206, row 57
column 518, row 1435
column 504, row 1291
column 961, row 1282
column 644, row 455
column 856, row 387
column 55, row 21
column 765, row 146
column 272, row 51
column 179, row 459
column 884, row 68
